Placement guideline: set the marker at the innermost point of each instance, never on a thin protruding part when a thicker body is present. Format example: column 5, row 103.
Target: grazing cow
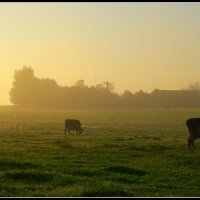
column 193, row 125
column 73, row 124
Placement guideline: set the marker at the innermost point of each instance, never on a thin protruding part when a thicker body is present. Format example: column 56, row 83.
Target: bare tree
column 109, row 86
column 80, row 83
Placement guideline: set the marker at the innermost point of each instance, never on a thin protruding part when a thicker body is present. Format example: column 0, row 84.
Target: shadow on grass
column 12, row 164
column 86, row 172
column 28, row 176
column 105, row 191
column 126, row 179
column 161, row 147
column 125, row 170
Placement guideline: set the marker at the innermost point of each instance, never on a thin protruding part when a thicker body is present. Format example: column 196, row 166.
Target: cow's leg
column 65, row 130
column 189, row 143
column 192, row 142
column 69, row 131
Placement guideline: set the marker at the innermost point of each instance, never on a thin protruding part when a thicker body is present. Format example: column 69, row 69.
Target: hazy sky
column 134, row 45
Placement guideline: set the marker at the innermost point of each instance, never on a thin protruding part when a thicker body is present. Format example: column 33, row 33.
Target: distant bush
column 31, row 91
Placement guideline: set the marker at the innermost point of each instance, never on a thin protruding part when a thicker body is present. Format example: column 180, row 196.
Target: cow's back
column 193, row 123
column 72, row 124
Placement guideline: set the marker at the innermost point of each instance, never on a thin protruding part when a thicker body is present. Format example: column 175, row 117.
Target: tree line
column 31, row 91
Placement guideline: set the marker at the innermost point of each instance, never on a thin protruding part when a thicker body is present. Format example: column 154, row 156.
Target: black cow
column 73, row 124
column 193, row 125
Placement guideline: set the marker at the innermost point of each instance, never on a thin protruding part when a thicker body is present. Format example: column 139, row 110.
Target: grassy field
column 121, row 153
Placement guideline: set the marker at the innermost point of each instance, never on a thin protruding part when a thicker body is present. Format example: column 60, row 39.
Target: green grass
column 121, row 153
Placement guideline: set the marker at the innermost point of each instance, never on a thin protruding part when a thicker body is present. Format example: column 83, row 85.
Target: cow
column 73, row 124
column 193, row 125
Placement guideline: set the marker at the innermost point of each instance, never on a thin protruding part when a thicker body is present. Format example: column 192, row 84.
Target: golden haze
column 134, row 45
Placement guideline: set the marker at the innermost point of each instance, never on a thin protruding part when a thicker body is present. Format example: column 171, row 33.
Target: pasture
column 121, row 153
